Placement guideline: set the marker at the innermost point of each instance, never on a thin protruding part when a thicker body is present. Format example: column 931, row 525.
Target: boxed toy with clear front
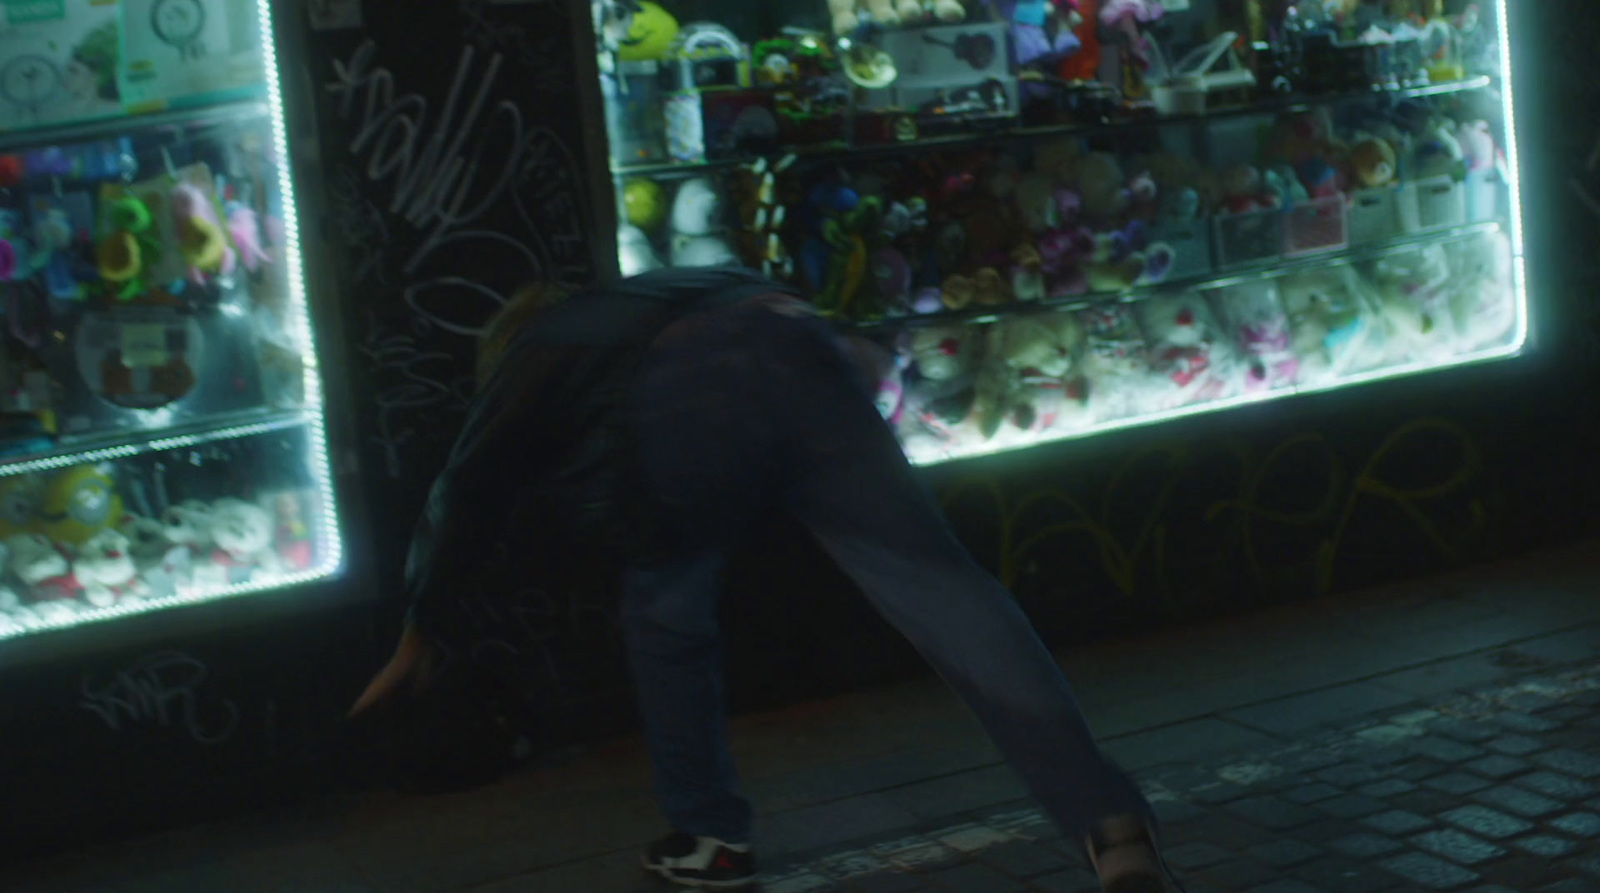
column 58, row 62
column 178, row 51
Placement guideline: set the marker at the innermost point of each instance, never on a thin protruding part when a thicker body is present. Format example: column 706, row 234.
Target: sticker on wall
column 332, row 15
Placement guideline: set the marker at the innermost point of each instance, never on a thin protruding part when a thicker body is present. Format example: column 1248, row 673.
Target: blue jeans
column 746, row 410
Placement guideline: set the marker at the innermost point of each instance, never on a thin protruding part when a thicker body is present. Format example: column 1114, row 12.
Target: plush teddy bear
column 939, row 396
column 1255, row 314
column 242, row 533
column 1100, row 182
column 1188, row 347
column 697, row 239
column 162, row 564
column 1116, row 361
column 848, row 15
column 1330, row 312
column 188, row 524
column 41, row 566
column 104, row 569
column 1483, row 289
column 1414, row 296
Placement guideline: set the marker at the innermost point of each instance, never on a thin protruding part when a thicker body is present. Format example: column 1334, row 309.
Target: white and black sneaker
column 701, row 862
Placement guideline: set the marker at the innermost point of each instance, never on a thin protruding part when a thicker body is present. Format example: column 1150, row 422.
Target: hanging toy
column 245, row 227
column 128, row 249
column 14, row 249
column 54, row 259
column 201, row 238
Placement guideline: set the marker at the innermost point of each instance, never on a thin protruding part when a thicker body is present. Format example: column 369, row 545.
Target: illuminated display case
column 1067, row 217
column 161, row 429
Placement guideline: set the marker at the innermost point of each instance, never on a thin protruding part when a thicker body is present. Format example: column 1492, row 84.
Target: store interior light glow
column 329, row 548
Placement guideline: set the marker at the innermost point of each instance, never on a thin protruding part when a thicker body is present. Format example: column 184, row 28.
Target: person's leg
column 669, row 621
column 854, row 490
column 702, row 476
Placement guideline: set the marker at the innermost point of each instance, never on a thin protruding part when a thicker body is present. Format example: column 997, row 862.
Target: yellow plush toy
column 78, row 503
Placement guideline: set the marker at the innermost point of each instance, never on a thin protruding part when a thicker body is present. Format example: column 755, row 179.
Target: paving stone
column 1486, row 822
column 970, row 877
column 1572, row 762
column 1283, row 853
column 1339, row 703
column 1461, row 729
column 1074, row 880
column 1457, row 846
column 1274, row 813
column 1570, row 885
column 1232, row 833
column 1397, row 822
column 1566, row 712
column 1521, row 872
column 1349, row 775
column 1417, row 770
column 1519, row 801
column 1578, row 824
column 1490, row 888
column 1515, row 745
column 1429, row 871
column 1021, row 859
column 1305, row 759
column 1587, row 865
column 1284, row 885
column 1198, row 854
column 1311, row 793
column 1389, row 787
column 1337, row 875
column 1460, row 783
column 1219, row 793
column 1554, row 784
column 1173, row 811
column 885, row 882
column 1238, row 874
column 1548, row 846
column 1352, row 806
column 1380, row 757
column 1443, row 749
column 1366, row 845
column 1499, row 766
column 1423, row 802
column 1522, row 722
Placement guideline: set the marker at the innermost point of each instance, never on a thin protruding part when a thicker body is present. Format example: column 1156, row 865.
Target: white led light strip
column 331, row 548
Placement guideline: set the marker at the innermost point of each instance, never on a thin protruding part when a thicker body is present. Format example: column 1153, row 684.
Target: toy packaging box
column 58, row 62
column 178, row 51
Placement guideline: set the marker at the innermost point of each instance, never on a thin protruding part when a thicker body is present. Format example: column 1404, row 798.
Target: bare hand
column 407, row 662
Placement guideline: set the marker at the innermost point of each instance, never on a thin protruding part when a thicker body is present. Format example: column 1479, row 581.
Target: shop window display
column 1067, row 216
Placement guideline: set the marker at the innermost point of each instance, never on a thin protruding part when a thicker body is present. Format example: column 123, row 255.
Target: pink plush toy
column 245, row 227
column 1127, row 16
column 202, row 239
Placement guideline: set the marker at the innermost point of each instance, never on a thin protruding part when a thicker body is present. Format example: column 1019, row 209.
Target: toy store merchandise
column 161, row 429
column 1065, row 217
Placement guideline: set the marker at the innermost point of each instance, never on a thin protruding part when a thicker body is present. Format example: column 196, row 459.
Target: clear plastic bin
column 1318, row 225
column 1432, row 204
column 1374, row 215
column 1249, row 237
column 1484, row 189
column 1191, row 247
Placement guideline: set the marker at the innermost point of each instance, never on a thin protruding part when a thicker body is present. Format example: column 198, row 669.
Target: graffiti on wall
column 1284, row 516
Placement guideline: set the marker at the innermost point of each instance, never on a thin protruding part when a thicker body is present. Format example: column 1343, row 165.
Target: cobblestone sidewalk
column 1488, row 791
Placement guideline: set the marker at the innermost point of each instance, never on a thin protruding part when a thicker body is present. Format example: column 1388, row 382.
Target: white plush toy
column 34, row 559
column 697, row 239
column 1191, row 349
column 243, row 534
column 104, row 569
column 635, row 252
column 188, row 524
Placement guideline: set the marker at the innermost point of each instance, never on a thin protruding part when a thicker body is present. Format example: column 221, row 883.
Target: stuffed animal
column 1244, row 190
column 1028, row 281
column 848, row 15
column 1042, row 31
column 697, row 238
column 1100, row 181
column 1483, row 289
column 634, row 251
column 1034, row 380
column 1478, row 147
column 1331, row 315
column 104, row 569
column 78, row 503
column 1255, row 314
column 41, row 566
column 939, row 399
column 1116, row 361
column 202, row 238
column 1373, row 163
column 189, row 524
column 243, row 533
column 1189, row 348
column 1414, row 297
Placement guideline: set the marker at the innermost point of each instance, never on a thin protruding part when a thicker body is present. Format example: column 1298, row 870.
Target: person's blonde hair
column 502, row 328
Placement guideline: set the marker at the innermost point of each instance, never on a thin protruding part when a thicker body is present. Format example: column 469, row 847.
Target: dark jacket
column 536, row 424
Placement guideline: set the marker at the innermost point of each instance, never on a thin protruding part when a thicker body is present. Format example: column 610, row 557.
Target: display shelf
column 118, row 445
column 1235, row 275
column 1002, row 134
column 209, row 115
